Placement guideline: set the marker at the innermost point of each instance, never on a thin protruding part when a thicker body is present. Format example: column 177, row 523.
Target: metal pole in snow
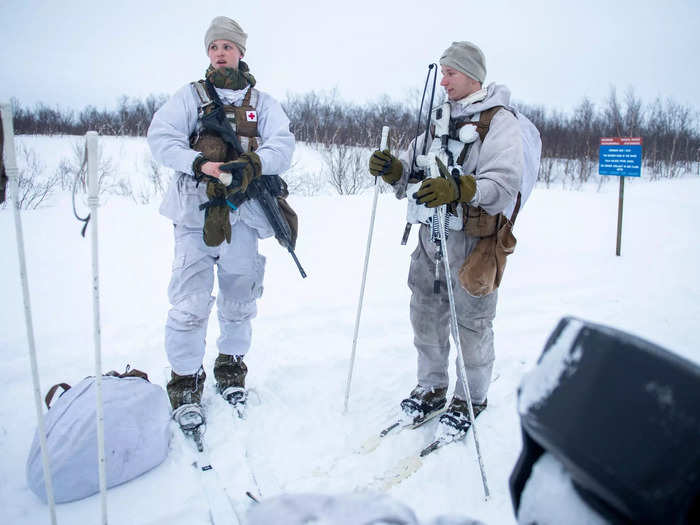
column 382, row 146
column 93, row 203
column 461, row 369
column 12, row 174
column 620, row 203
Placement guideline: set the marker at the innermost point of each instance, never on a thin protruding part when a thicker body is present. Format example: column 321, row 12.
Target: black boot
column 422, row 402
column 455, row 421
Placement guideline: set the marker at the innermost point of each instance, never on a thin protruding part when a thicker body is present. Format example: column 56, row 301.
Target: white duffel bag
column 136, row 435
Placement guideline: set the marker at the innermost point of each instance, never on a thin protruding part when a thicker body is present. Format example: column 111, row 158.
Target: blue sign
column 620, row 156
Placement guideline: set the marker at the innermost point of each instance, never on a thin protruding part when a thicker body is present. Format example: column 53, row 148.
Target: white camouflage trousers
column 240, row 272
column 430, row 317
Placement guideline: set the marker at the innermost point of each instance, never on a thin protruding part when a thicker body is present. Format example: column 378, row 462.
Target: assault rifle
column 265, row 189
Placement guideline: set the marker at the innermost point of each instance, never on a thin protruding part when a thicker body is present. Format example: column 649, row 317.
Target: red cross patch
column 251, row 116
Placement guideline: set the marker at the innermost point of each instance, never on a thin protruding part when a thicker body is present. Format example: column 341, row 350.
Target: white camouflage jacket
column 497, row 164
column 168, row 138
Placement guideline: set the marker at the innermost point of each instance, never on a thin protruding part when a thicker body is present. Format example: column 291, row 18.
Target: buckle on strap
column 204, row 99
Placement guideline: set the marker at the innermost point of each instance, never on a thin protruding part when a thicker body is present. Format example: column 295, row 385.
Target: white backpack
column 532, row 151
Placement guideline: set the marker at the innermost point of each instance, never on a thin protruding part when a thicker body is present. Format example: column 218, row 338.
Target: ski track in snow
column 297, row 439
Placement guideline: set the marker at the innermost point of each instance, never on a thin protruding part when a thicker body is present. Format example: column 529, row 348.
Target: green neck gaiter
column 230, row 78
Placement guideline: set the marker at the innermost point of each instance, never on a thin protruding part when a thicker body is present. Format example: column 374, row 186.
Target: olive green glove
column 446, row 189
column 199, row 161
column 383, row 164
column 244, row 169
column 217, row 225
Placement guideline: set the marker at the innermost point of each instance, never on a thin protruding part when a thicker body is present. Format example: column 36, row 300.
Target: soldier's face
column 457, row 85
column 223, row 53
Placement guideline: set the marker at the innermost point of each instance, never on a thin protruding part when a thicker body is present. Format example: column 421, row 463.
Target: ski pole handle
column 93, row 181
column 385, row 138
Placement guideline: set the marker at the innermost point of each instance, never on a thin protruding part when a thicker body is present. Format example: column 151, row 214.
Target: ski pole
column 93, row 203
column 12, row 174
column 382, row 146
column 442, row 226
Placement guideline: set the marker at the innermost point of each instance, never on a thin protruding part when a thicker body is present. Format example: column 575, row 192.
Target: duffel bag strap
column 52, row 392
column 128, row 372
column 134, row 372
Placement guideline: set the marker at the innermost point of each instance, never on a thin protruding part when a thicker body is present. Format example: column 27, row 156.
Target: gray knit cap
column 223, row 28
column 466, row 58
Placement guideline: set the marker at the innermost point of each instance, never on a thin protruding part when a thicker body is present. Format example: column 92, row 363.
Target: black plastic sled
column 623, row 417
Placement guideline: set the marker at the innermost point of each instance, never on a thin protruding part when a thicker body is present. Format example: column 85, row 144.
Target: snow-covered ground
column 297, row 439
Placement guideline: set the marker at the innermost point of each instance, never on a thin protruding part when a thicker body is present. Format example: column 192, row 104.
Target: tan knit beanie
column 223, row 28
column 466, row 58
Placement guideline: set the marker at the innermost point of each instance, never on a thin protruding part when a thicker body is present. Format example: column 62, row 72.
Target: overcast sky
column 78, row 52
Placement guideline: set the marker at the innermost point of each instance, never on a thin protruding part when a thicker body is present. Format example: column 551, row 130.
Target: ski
column 411, row 464
column 192, row 425
column 221, row 509
column 395, row 428
column 441, row 442
column 399, row 425
column 239, row 411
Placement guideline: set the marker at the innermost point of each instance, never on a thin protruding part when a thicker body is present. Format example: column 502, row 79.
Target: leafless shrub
column 76, row 166
column 32, row 191
column 346, row 168
column 155, row 175
column 545, row 173
column 305, row 183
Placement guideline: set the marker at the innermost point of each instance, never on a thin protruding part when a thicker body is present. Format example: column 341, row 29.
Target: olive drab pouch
column 483, row 269
column 291, row 218
column 287, row 212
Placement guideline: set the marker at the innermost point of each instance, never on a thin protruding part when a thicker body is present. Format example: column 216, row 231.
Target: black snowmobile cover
column 623, row 415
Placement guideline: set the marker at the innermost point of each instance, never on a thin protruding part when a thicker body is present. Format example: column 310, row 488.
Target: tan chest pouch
column 478, row 223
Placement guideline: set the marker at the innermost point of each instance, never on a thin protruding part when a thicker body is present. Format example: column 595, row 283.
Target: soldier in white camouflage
column 210, row 230
column 492, row 167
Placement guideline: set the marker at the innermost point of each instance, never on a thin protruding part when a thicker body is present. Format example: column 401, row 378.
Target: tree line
column 670, row 130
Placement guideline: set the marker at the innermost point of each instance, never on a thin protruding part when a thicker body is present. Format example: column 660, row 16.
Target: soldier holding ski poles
column 471, row 159
column 222, row 137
